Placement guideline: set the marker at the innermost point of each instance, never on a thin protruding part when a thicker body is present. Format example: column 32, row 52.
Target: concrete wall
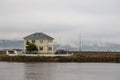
column 49, row 55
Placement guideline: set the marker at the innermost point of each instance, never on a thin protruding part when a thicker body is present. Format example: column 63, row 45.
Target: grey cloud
column 62, row 18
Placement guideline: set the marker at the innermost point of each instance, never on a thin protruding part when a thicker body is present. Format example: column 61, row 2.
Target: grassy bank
column 109, row 58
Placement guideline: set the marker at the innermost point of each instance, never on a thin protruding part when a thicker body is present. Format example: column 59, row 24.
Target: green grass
column 117, row 55
column 3, row 55
column 80, row 56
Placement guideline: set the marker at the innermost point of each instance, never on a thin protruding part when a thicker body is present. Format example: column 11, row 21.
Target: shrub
column 31, row 47
column 56, row 52
column 80, row 56
column 117, row 55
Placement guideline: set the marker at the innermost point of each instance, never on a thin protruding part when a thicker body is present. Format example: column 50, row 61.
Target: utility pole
column 80, row 42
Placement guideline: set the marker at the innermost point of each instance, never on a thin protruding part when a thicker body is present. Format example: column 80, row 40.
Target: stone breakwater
column 61, row 59
column 84, row 56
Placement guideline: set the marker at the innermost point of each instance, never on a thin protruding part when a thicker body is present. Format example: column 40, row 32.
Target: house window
column 41, row 48
column 41, row 41
column 49, row 48
column 33, row 41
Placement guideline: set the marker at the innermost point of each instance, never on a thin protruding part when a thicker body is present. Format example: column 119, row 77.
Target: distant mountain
column 100, row 46
column 86, row 46
column 93, row 46
column 11, row 44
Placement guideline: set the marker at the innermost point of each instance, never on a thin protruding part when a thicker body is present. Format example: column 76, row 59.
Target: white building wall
column 46, row 43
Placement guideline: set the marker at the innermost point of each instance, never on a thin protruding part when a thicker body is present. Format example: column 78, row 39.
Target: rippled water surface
column 59, row 71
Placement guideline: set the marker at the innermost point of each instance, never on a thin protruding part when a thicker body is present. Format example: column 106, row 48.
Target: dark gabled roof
column 38, row 36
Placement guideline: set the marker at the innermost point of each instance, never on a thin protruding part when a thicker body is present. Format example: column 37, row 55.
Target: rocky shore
column 80, row 57
column 61, row 59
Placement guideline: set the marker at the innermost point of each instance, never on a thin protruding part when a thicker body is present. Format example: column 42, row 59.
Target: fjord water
column 59, row 71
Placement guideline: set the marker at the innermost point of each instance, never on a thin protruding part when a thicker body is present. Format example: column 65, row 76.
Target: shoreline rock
column 61, row 59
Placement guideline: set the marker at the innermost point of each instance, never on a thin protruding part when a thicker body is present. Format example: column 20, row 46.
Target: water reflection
column 11, row 71
column 36, row 71
column 59, row 71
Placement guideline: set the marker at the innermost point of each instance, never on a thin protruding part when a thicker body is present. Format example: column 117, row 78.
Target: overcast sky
column 97, row 20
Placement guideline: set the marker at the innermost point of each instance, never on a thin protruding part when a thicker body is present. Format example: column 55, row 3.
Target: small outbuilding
column 14, row 52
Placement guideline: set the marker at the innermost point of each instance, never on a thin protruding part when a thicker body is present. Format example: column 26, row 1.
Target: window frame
column 33, row 41
column 41, row 48
column 41, row 40
column 50, row 48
